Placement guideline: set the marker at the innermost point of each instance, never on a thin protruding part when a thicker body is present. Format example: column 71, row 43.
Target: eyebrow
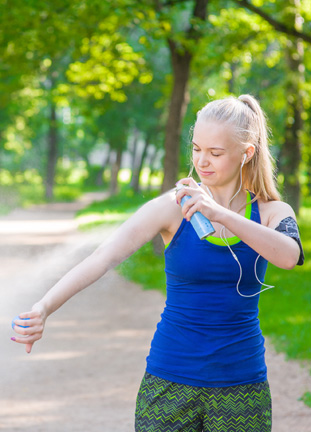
column 210, row 148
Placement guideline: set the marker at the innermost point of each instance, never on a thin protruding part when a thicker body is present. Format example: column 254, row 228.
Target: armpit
column 289, row 227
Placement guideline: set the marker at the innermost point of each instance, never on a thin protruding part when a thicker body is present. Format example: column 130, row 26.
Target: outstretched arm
column 149, row 220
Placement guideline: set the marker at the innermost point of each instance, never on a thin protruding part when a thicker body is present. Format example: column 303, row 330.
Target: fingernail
column 13, row 339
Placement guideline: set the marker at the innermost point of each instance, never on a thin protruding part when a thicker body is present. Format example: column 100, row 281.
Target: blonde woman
column 206, row 368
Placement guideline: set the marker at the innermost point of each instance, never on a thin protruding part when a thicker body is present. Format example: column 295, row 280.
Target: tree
column 181, row 44
column 64, row 44
column 292, row 147
column 290, row 24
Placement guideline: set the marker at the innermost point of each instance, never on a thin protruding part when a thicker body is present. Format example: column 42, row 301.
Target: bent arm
column 275, row 247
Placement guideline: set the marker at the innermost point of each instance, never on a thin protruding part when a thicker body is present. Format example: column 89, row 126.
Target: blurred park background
column 101, row 95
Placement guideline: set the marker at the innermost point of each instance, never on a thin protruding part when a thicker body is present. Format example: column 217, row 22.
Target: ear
column 250, row 151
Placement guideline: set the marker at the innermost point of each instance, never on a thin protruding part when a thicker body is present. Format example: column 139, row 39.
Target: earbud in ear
column 244, row 159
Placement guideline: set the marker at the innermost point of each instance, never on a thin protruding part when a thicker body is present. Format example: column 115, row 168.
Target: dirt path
column 85, row 373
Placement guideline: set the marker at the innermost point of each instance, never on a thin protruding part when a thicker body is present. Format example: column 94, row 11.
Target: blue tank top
column 209, row 335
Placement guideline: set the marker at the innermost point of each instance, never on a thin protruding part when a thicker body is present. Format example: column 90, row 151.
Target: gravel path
column 85, row 373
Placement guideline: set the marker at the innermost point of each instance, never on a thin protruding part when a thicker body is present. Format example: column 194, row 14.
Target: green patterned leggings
column 164, row 406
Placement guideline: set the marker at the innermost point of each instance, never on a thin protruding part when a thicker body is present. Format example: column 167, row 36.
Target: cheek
column 195, row 157
column 229, row 166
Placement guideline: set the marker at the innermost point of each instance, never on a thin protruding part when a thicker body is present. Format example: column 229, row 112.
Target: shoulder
column 163, row 202
column 164, row 209
column 272, row 212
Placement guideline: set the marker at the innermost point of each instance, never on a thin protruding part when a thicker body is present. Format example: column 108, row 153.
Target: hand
column 200, row 200
column 35, row 328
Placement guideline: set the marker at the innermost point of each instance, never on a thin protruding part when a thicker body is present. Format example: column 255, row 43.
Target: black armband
column 289, row 227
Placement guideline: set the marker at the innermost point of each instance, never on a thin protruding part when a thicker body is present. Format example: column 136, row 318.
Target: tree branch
column 279, row 26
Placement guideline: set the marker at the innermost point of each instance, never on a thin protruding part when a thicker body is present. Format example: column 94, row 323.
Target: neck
column 223, row 195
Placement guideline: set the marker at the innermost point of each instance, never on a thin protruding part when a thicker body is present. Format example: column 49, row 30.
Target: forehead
column 213, row 134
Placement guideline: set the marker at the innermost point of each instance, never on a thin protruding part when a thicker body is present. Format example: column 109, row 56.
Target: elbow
column 291, row 257
column 290, row 266
column 291, row 262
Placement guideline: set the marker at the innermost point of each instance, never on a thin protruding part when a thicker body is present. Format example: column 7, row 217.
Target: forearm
column 121, row 244
column 80, row 277
column 275, row 247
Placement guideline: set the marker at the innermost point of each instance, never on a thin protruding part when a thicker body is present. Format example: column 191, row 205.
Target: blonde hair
column 249, row 122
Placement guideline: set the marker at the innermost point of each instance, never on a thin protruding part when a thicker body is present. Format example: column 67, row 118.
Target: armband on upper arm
column 289, row 227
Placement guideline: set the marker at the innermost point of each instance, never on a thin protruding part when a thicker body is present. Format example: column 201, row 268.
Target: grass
column 285, row 311
column 26, row 195
column 145, row 268
column 306, row 398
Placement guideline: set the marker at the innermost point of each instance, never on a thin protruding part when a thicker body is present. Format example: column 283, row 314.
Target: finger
column 181, row 193
column 191, row 210
column 31, row 314
column 27, row 339
column 29, row 348
column 189, row 181
column 188, row 190
column 23, row 340
column 27, row 331
column 186, row 208
column 22, row 323
column 30, row 322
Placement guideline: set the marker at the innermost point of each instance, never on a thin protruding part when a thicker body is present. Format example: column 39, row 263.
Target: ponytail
column 248, row 119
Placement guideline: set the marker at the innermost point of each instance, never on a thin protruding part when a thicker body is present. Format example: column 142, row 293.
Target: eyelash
column 215, row 155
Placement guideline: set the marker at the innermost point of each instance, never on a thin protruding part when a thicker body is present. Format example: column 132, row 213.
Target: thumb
column 29, row 348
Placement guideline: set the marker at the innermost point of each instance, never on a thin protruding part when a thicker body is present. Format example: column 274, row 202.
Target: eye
column 195, row 149
column 216, row 155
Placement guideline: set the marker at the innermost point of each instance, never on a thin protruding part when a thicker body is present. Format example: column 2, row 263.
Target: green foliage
column 95, row 62
column 114, row 209
column 285, row 311
column 306, row 398
column 109, row 64
column 145, row 268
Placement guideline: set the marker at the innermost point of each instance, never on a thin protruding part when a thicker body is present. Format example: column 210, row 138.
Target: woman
column 206, row 369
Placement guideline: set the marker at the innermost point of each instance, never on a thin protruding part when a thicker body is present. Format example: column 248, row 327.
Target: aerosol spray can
column 200, row 223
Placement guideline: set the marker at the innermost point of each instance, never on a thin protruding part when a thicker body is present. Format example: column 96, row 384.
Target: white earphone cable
column 225, row 240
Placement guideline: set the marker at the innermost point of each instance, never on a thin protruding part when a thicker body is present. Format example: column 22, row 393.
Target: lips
column 206, row 173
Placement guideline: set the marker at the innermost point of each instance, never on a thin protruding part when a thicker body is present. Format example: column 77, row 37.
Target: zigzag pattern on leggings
column 171, row 407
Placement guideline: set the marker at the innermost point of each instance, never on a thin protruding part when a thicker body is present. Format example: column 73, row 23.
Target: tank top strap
column 255, row 215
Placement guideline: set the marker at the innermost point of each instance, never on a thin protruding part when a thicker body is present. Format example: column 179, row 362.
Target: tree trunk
column 178, row 104
column 99, row 177
column 181, row 60
column 114, row 173
column 134, row 154
column 291, row 150
column 152, row 158
column 137, row 169
column 1, row 149
column 52, row 154
column 234, row 73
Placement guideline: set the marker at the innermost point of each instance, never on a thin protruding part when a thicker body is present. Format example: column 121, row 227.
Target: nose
column 204, row 160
